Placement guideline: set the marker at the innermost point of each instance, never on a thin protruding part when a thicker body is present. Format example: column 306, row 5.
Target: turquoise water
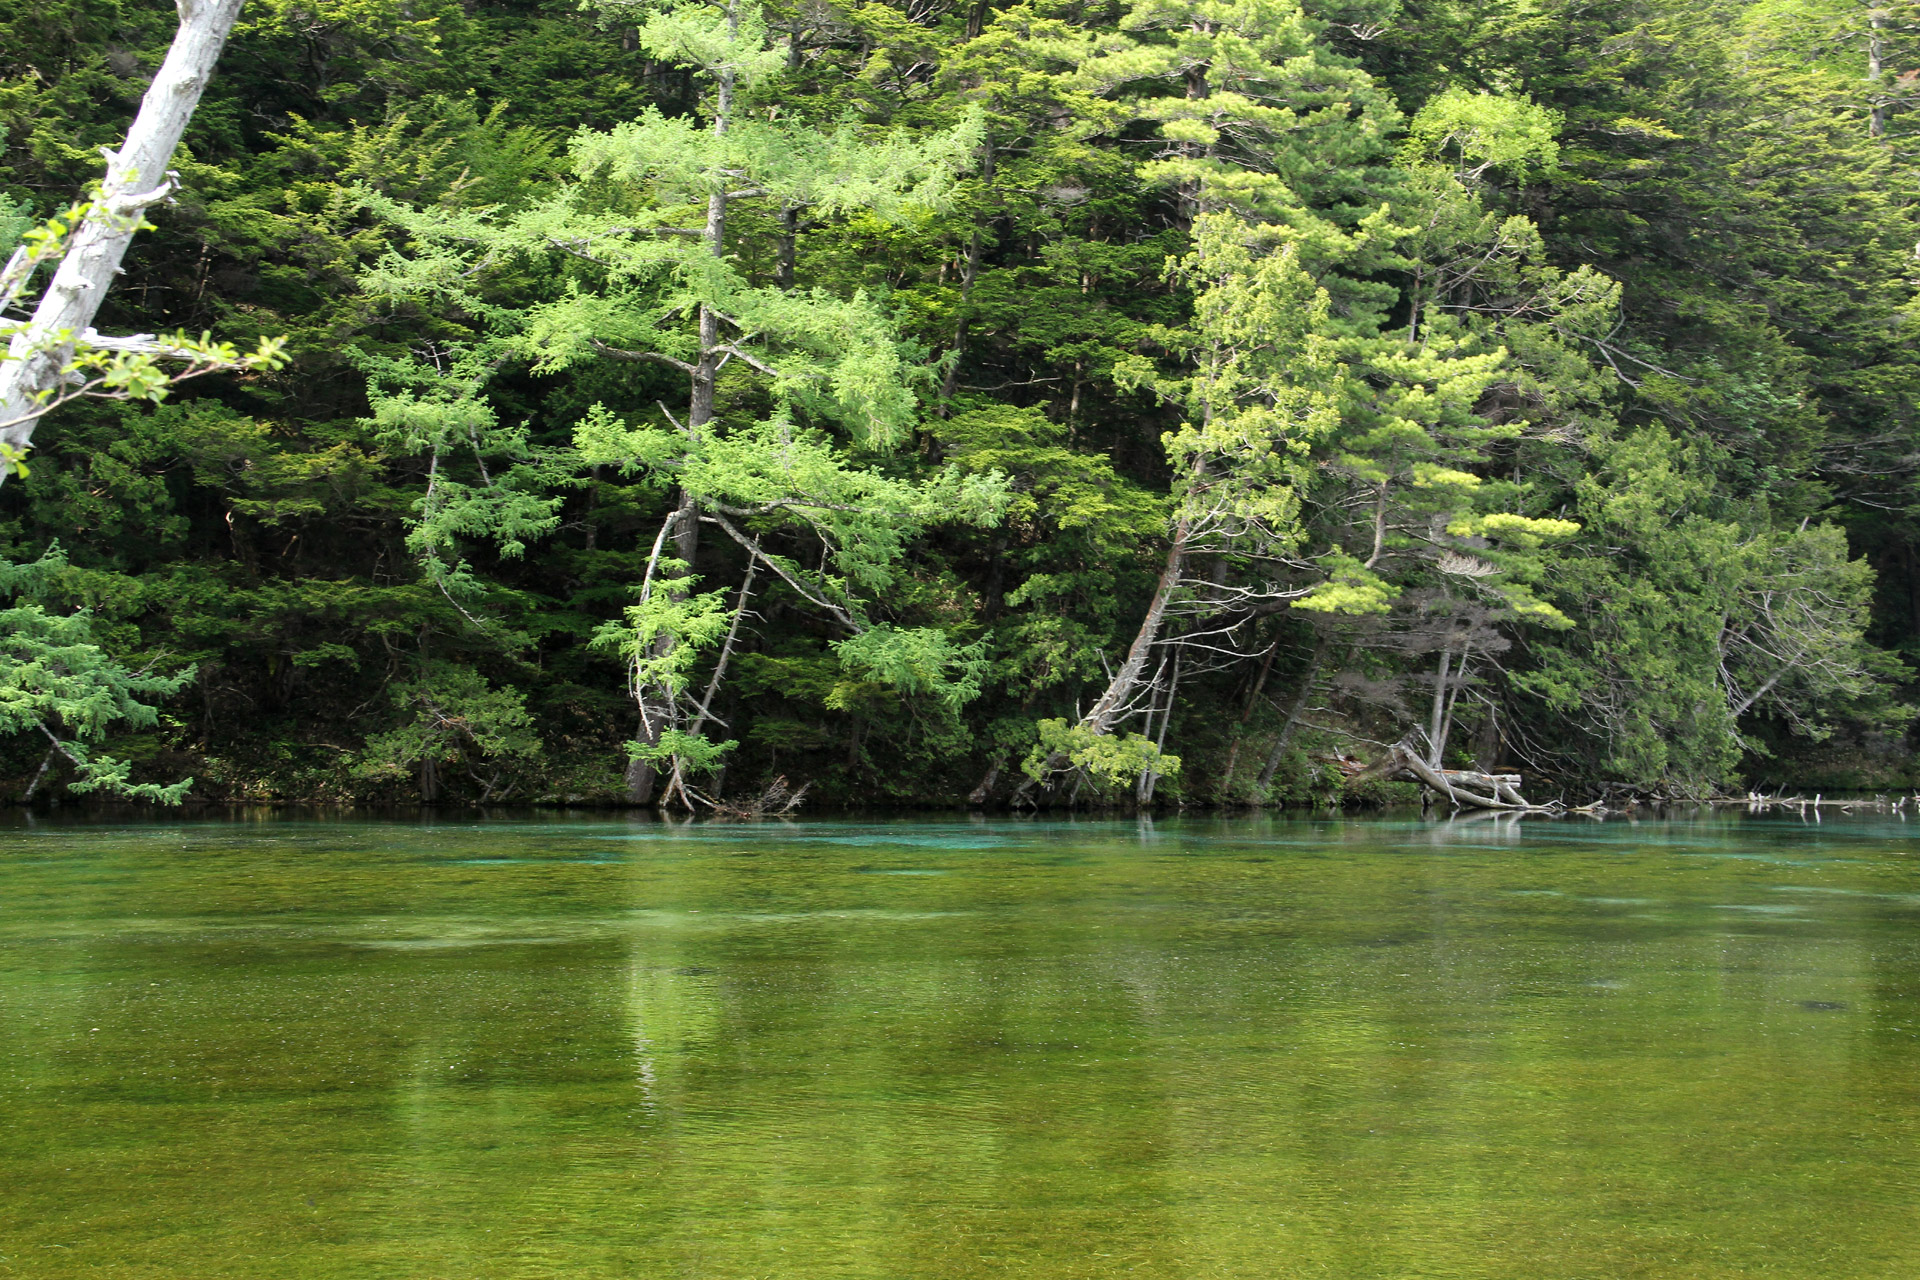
column 1193, row 1048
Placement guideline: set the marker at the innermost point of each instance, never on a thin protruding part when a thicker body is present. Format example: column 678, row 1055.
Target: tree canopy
column 1045, row 403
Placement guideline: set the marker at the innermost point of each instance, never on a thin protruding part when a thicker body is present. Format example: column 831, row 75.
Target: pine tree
column 637, row 285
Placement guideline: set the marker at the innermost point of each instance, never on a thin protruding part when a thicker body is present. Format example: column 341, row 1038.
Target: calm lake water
column 1192, row 1048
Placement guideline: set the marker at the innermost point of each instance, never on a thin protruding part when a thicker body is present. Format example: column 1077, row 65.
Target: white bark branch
column 137, row 176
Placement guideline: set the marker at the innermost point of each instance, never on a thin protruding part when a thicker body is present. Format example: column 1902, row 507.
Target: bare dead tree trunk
column 46, row 763
column 789, row 233
column 726, row 650
column 1464, row 788
column 1151, row 778
column 1876, row 64
column 136, row 179
column 1436, row 740
column 1460, row 673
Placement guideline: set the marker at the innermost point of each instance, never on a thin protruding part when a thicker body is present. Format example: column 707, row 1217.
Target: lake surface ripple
column 1186, row 1048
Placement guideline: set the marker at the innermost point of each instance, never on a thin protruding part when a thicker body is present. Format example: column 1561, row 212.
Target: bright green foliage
column 1348, row 588
column 776, row 472
column 922, row 660
column 1481, row 131
column 694, row 622
column 856, row 392
column 484, row 479
column 696, row 753
column 1258, row 392
column 1112, row 758
column 1255, row 112
column 56, row 682
column 649, row 287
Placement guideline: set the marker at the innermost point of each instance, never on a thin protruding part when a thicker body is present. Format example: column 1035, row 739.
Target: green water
column 945, row 1049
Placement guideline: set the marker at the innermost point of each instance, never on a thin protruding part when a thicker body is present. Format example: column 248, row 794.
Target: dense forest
column 942, row 402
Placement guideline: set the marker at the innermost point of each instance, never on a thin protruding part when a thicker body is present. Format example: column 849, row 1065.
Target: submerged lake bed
column 1269, row 1047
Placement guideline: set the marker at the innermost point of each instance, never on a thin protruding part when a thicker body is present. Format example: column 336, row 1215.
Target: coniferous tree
column 647, row 290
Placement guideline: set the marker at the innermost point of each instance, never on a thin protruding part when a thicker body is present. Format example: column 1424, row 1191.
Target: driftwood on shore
column 1757, row 802
column 1464, row 788
column 1500, row 792
column 776, row 800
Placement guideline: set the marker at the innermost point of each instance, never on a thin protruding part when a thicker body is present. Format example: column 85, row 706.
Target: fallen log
column 1758, row 802
column 1468, row 788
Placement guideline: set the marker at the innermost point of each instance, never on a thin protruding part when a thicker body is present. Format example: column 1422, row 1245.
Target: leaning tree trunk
column 1121, row 688
column 136, row 178
column 1119, row 692
column 1115, row 700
